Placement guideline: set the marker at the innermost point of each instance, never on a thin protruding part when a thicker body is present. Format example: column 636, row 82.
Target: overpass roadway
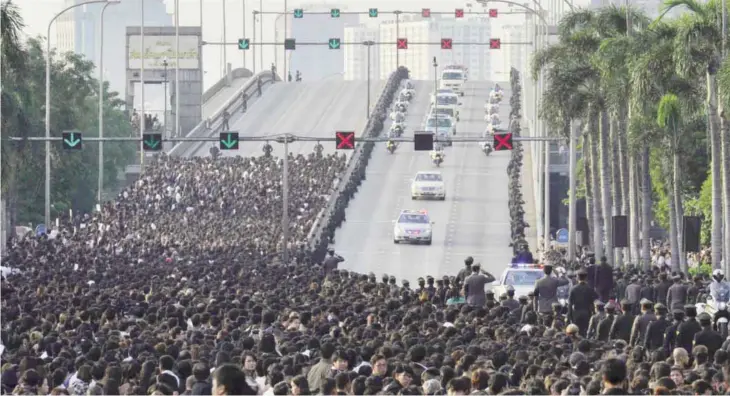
column 473, row 221
column 215, row 102
column 317, row 108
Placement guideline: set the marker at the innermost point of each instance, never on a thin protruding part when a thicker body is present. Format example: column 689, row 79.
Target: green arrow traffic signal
column 334, row 43
column 152, row 142
column 228, row 140
column 244, row 44
column 335, row 13
column 298, row 13
column 72, row 141
column 373, row 12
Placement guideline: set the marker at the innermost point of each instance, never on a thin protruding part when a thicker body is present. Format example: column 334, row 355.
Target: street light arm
column 48, row 37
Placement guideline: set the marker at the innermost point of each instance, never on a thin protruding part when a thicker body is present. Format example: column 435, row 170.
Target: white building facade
column 418, row 58
column 356, row 56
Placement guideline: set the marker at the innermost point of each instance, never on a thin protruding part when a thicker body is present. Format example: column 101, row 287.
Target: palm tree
column 698, row 46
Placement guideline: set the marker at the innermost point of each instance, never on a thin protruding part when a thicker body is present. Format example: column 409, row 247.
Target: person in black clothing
column 226, row 119
column 670, row 334
column 604, row 326
column 466, row 271
column 596, row 318
column 662, row 288
column 708, row 337
column 613, row 374
column 579, row 303
column 647, row 290
column 654, row 337
column 641, row 323
column 244, row 102
column 621, row 328
column 633, row 294
column 677, row 293
column 258, row 86
column 693, row 291
column 604, row 280
column 289, row 76
column 591, row 270
column 687, row 329
column 332, row 261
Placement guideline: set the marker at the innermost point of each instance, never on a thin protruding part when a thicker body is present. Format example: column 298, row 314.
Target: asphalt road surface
column 311, row 109
column 473, row 221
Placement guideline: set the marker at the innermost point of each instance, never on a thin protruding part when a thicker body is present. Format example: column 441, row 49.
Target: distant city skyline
column 37, row 13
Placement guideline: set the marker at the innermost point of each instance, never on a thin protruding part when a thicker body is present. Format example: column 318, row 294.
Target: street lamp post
column 164, row 75
column 435, row 85
column 369, row 45
column 100, row 187
column 47, row 214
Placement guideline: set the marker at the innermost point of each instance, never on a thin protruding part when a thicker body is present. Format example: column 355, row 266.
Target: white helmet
column 717, row 272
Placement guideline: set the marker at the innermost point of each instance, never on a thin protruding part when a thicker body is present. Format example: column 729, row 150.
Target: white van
column 453, row 79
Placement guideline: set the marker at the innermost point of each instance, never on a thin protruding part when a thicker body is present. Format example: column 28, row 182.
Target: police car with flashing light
column 412, row 226
column 428, row 185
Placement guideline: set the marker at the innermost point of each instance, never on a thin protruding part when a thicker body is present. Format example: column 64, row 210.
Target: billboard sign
column 157, row 48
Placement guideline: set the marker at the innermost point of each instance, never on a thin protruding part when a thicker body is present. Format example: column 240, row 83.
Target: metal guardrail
column 213, row 124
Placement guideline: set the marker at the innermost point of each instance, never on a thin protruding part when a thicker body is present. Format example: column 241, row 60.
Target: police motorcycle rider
column 486, row 147
column 720, row 292
column 491, row 108
column 437, row 154
column 390, row 145
column 492, row 119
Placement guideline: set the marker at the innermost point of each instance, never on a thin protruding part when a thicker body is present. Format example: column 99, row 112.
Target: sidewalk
column 528, row 194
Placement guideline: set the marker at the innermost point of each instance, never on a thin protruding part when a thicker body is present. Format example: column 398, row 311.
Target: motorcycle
column 396, row 130
column 719, row 312
column 487, row 148
column 391, row 147
column 437, row 160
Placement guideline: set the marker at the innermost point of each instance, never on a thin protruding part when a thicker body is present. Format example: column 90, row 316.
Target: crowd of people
column 514, row 170
column 176, row 288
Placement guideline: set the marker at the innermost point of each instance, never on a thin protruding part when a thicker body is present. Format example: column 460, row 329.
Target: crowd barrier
column 514, row 169
column 334, row 214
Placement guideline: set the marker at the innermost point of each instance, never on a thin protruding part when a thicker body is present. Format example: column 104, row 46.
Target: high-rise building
column 356, row 56
column 418, row 58
column 318, row 61
column 510, row 55
column 78, row 31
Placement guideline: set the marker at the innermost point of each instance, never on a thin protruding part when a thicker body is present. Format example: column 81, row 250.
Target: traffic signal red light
column 493, row 12
column 402, row 43
column 426, row 12
column 495, row 43
column 446, row 43
column 459, row 13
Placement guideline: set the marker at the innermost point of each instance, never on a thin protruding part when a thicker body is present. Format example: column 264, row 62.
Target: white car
column 439, row 92
column 428, row 185
column 444, row 110
column 442, row 127
column 522, row 277
column 412, row 226
column 453, row 79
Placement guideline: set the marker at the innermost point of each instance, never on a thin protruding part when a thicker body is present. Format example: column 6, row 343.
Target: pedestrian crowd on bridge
column 176, row 288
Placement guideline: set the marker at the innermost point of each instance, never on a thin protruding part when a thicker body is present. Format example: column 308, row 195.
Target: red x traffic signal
column 502, row 141
column 345, row 140
column 402, row 43
column 495, row 43
column 446, row 43
column 459, row 13
column 493, row 12
column 426, row 12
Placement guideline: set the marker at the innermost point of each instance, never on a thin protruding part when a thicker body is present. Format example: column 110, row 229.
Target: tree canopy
column 74, row 106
